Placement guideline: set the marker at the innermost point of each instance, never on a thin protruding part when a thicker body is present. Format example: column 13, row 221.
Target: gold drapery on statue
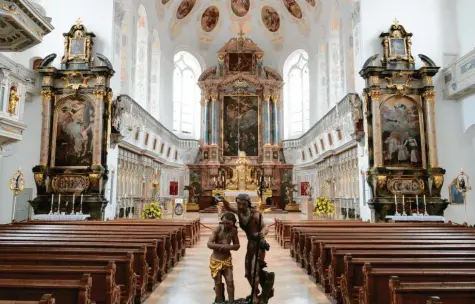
column 216, row 265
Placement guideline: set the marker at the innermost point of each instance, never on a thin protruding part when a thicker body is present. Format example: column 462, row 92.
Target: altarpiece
column 240, row 141
column 76, row 129
column 400, row 124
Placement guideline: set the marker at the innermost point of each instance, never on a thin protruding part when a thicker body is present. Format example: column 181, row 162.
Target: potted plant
column 152, row 211
column 324, row 207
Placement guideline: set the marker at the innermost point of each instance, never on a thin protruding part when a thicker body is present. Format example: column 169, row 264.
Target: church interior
column 139, row 137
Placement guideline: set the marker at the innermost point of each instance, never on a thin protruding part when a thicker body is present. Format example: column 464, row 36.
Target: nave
column 191, row 282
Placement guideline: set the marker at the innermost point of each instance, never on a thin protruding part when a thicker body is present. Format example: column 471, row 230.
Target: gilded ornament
column 100, row 80
column 100, row 94
column 438, row 180
column 94, row 179
column 13, row 100
column 375, row 94
column 47, row 95
column 428, row 80
column 68, row 183
column 381, row 183
column 214, row 97
column 429, row 95
column 39, row 179
column 75, row 80
column 374, row 80
column 17, row 183
column 47, row 80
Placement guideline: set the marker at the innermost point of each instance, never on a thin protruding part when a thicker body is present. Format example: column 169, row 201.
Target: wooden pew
column 139, row 251
column 376, row 280
column 45, row 299
column 344, row 283
column 103, row 288
column 125, row 277
column 420, row 293
column 64, row 291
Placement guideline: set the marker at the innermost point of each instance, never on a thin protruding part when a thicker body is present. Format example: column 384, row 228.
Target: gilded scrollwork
column 429, row 95
column 381, row 181
column 407, row 186
column 70, row 183
column 438, row 180
column 39, row 179
column 75, row 80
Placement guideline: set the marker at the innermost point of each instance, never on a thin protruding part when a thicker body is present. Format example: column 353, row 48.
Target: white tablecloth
column 417, row 218
column 60, row 217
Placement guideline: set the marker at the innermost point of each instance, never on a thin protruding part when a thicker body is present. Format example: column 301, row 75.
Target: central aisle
column 190, row 281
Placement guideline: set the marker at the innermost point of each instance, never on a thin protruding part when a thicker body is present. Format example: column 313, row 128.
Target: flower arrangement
column 323, row 206
column 152, row 211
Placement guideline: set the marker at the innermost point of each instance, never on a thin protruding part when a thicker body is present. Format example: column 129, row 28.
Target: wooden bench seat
column 403, row 292
column 103, row 289
column 376, row 280
column 45, row 299
column 64, row 291
column 125, row 277
column 139, row 251
column 344, row 282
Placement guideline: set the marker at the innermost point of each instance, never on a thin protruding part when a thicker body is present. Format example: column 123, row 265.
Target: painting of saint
column 401, row 133
column 184, row 8
column 270, row 18
column 210, row 19
column 294, row 8
column 240, row 62
column 77, row 47
column 455, row 196
column 241, row 129
column 74, row 132
column 240, row 7
column 398, row 47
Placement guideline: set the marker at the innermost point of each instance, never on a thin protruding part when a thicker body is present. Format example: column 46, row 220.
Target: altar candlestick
column 425, row 206
column 417, row 204
column 52, row 200
column 403, row 207
column 59, row 204
column 80, row 206
column 74, row 201
column 395, row 206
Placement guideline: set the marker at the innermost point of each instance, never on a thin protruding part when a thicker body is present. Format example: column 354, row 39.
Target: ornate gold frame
column 238, row 94
column 418, row 102
column 57, row 99
column 454, row 182
column 397, row 56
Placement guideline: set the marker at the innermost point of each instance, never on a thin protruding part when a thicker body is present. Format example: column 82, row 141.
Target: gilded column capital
column 429, row 95
column 374, row 94
column 100, row 94
column 427, row 81
column 214, row 97
column 374, row 80
column 276, row 100
column 266, row 97
column 47, row 94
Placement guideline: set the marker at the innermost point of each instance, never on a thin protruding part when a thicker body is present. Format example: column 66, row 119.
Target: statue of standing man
column 251, row 222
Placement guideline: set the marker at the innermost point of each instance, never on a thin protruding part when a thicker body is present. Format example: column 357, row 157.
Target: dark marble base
column 383, row 207
column 93, row 205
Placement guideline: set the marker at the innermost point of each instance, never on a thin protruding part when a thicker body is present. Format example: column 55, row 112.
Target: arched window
column 155, row 73
column 186, row 94
column 141, row 69
column 296, row 94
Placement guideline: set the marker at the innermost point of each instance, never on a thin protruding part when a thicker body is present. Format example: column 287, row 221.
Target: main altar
column 240, row 139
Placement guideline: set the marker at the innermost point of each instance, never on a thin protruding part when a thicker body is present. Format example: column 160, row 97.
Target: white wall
column 465, row 23
column 434, row 34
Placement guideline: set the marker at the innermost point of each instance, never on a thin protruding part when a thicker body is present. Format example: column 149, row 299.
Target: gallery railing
column 134, row 116
column 329, row 121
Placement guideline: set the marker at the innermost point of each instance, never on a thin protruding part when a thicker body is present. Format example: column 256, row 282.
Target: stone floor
column 190, row 281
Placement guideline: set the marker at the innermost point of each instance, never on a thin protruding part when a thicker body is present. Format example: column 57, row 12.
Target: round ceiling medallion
column 311, row 2
column 240, row 7
column 185, row 8
column 294, row 8
column 210, row 19
column 271, row 18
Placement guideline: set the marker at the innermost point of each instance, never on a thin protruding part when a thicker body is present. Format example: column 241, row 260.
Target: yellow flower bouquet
column 152, row 211
column 323, row 206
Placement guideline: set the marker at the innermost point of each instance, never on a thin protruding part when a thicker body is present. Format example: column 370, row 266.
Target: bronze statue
column 221, row 264
column 13, row 101
column 251, row 222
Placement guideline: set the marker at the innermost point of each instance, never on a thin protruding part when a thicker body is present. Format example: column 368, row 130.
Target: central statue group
column 225, row 238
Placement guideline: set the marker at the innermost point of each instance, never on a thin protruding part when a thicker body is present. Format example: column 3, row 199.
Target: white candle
column 81, row 199
column 395, row 201
column 417, row 201
column 52, row 199
column 74, row 198
column 59, row 200
column 424, row 198
column 403, row 200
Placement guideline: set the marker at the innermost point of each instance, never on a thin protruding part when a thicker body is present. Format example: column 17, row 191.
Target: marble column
column 98, row 113
column 214, row 119
column 46, row 126
column 429, row 98
column 377, row 134
column 275, row 121
column 267, row 118
column 205, row 104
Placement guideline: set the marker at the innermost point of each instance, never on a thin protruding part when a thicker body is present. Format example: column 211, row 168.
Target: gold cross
column 79, row 21
column 241, row 34
column 395, row 22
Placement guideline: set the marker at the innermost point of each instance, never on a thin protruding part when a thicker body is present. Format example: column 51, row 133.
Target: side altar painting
column 240, row 125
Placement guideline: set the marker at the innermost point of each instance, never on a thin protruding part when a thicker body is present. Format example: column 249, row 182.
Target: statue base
column 193, row 207
column 292, row 207
column 238, row 301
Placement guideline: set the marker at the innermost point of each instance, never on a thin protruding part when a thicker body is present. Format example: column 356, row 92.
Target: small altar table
column 416, row 218
column 60, row 217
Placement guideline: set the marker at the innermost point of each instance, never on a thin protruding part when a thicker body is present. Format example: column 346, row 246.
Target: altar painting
column 240, row 125
column 74, row 120
column 401, row 133
column 241, row 62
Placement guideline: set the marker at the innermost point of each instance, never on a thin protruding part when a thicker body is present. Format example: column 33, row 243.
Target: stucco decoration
column 209, row 22
column 162, row 6
column 272, row 24
column 311, row 2
column 183, row 12
column 294, row 11
column 244, row 22
column 240, row 7
column 314, row 8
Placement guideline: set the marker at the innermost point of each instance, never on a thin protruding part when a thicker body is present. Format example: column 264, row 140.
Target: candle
column 74, row 198
column 395, row 201
column 424, row 199
column 52, row 198
column 59, row 200
column 403, row 200
column 81, row 198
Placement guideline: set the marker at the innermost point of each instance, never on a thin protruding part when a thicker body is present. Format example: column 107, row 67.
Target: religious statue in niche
column 13, row 100
column 240, row 7
column 401, row 133
column 294, row 8
column 270, row 18
column 185, row 8
column 240, row 62
column 241, row 130
column 74, row 133
column 210, row 19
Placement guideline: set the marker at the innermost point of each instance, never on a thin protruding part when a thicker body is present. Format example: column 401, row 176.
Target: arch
column 141, row 56
column 198, row 57
column 155, row 75
column 186, row 94
column 296, row 94
column 35, row 62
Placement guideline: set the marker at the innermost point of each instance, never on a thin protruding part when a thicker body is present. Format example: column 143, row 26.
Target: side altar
column 240, row 140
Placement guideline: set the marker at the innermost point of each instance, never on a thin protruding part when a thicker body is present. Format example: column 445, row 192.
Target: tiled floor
column 190, row 281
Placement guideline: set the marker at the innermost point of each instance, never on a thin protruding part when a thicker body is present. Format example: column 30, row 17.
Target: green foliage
column 323, row 206
column 152, row 211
